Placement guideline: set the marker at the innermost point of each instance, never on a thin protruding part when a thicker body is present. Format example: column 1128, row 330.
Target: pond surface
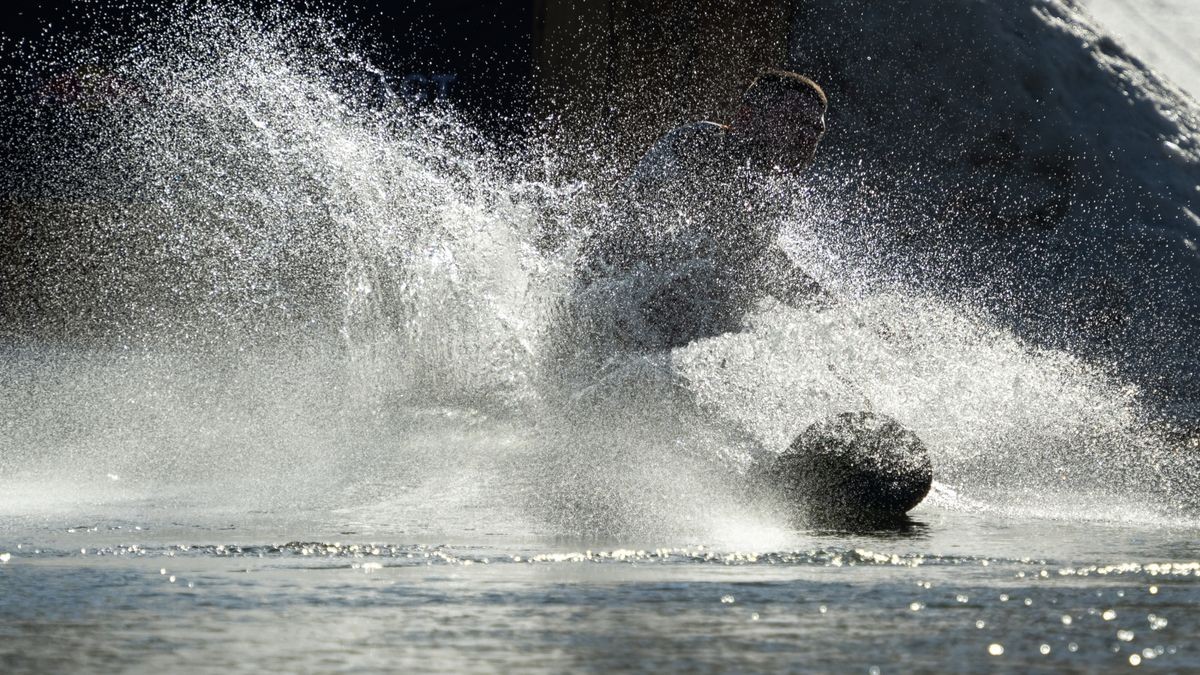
column 137, row 587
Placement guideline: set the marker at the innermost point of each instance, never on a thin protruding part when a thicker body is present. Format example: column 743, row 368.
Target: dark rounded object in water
column 853, row 470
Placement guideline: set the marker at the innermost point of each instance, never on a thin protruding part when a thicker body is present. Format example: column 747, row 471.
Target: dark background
column 486, row 47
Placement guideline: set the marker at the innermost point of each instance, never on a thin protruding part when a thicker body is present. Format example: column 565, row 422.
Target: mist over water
column 241, row 281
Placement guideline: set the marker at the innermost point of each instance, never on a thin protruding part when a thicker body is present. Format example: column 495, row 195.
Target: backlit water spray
column 240, row 283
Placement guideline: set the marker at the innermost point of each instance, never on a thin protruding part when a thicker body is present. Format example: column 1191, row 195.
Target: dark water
column 183, row 593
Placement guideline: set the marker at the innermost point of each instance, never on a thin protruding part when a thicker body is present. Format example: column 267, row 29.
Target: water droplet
column 1135, row 659
column 995, row 649
column 1044, row 649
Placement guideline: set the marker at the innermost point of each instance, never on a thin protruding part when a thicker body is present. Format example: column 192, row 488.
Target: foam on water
column 239, row 281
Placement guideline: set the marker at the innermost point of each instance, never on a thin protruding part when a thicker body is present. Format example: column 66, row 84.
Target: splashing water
column 240, row 283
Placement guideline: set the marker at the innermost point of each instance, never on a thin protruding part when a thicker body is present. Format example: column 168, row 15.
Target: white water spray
column 249, row 286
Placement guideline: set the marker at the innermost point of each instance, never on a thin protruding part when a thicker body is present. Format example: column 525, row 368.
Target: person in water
column 696, row 243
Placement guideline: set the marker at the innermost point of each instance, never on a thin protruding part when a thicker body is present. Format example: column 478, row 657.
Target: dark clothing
column 688, row 187
column 693, row 244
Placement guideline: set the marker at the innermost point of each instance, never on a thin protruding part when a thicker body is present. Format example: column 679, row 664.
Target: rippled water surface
column 145, row 588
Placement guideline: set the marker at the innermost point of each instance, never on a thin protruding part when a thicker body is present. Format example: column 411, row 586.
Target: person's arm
column 790, row 284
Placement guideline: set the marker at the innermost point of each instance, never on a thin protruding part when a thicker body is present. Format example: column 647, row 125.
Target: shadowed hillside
column 1027, row 159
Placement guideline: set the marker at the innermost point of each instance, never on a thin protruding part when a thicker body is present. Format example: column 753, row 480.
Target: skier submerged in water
column 696, row 244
